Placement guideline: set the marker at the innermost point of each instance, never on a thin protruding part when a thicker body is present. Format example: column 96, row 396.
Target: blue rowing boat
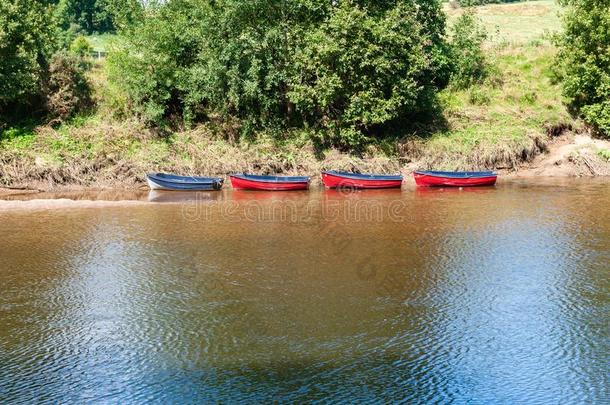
column 164, row 181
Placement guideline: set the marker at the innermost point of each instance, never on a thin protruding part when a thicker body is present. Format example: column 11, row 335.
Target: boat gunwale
column 184, row 180
column 456, row 175
column 365, row 177
column 271, row 179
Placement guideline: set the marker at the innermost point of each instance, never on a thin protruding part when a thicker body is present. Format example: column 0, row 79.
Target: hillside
column 516, row 23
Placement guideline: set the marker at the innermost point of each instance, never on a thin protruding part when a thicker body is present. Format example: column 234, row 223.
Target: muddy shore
column 570, row 155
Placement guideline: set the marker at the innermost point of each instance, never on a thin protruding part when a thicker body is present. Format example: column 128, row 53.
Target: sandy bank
column 570, row 155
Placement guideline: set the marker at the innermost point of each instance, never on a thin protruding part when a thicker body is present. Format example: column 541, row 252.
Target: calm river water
column 494, row 295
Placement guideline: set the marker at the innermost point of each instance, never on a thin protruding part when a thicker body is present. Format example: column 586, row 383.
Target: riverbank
column 568, row 155
column 514, row 122
column 109, row 157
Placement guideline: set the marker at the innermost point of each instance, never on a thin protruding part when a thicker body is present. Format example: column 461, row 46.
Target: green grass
column 21, row 142
column 19, row 136
column 516, row 23
column 501, row 121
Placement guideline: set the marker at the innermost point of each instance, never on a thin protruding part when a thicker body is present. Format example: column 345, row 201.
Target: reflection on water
column 485, row 295
column 182, row 196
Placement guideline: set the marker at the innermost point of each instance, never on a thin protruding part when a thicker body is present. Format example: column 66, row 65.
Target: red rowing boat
column 333, row 179
column 270, row 183
column 454, row 179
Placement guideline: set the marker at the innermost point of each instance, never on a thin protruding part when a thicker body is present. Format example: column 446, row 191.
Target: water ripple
column 490, row 296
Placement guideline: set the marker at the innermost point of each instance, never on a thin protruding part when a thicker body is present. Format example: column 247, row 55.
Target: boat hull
column 245, row 183
column 182, row 183
column 423, row 179
column 339, row 180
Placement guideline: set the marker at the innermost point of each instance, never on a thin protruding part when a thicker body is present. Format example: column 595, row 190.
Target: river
column 491, row 295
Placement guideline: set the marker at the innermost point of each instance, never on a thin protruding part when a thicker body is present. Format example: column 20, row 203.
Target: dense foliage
column 87, row 15
column 585, row 56
column 36, row 77
column 27, row 41
column 342, row 71
column 346, row 68
column 469, row 64
column 67, row 91
column 97, row 16
column 360, row 70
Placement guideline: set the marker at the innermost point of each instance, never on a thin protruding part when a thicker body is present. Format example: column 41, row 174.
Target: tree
column 585, row 57
column 27, row 40
column 469, row 63
column 360, row 70
column 126, row 13
column 90, row 15
column 344, row 67
column 67, row 91
column 151, row 61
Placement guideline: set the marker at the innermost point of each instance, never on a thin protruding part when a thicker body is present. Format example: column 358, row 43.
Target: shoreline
column 24, row 201
column 514, row 123
column 524, row 174
column 137, row 194
column 566, row 156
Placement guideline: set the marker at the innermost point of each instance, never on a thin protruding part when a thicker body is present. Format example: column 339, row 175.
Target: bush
column 470, row 65
column 81, row 47
column 27, row 40
column 340, row 68
column 358, row 71
column 586, row 61
column 68, row 90
column 598, row 115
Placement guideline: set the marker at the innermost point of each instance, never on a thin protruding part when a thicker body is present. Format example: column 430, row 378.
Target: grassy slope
column 497, row 124
column 503, row 121
column 94, row 152
column 516, row 23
